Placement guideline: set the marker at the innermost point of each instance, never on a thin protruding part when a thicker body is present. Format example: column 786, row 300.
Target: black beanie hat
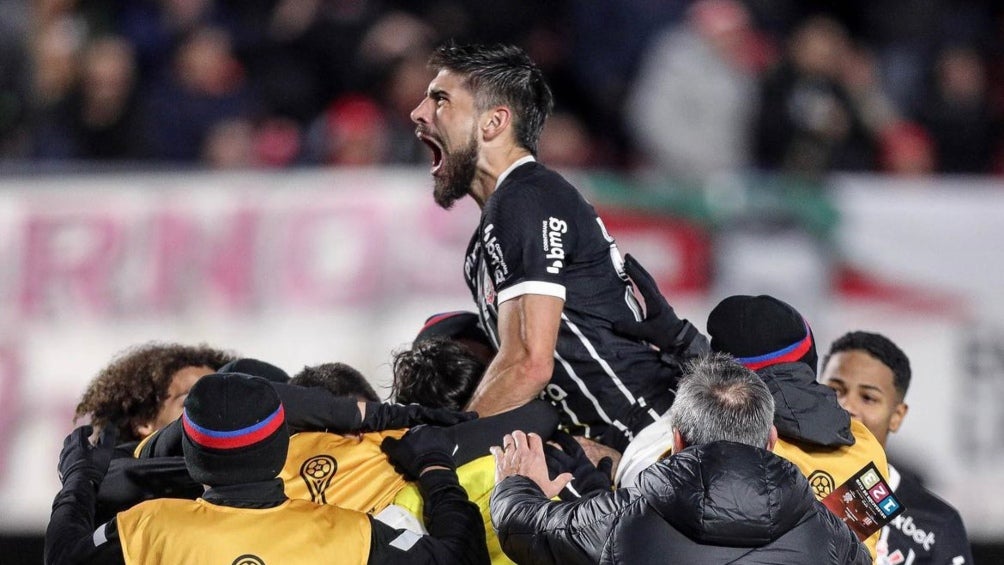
column 760, row 331
column 234, row 430
column 256, row 368
column 454, row 325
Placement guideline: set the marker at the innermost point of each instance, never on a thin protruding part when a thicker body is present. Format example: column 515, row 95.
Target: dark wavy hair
column 882, row 349
column 502, row 75
column 338, row 379
column 436, row 372
column 129, row 391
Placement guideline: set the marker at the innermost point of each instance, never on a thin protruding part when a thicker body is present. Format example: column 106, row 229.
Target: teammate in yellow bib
column 235, row 441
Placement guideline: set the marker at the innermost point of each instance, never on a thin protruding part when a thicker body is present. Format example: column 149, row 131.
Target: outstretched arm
column 313, row 408
column 475, row 438
column 528, row 331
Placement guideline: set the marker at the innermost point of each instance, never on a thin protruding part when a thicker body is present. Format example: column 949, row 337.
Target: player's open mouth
column 437, row 150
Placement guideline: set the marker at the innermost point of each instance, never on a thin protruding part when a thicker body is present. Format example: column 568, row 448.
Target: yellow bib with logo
column 478, row 479
column 829, row 467
column 349, row 471
column 197, row 532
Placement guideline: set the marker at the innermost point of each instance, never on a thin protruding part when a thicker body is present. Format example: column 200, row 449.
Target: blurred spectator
column 351, row 132
column 206, row 87
column 57, row 48
column 957, row 112
column 906, row 149
column 394, row 53
column 693, row 100
column 860, row 76
column 665, row 82
column 277, row 142
column 229, row 144
column 607, row 40
column 808, row 123
column 906, row 34
column 400, row 92
column 566, row 143
column 157, row 28
column 99, row 119
column 392, row 37
column 15, row 85
column 310, row 55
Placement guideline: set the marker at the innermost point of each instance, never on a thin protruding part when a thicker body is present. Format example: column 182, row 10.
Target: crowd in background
column 687, row 88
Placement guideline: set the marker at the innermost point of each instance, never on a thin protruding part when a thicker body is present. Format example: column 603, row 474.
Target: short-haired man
column 721, row 497
column 871, row 376
column 339, row 379
column 544, row 272
column 235, row 441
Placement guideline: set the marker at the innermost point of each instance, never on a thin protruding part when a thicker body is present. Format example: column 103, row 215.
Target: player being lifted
column 546, row 276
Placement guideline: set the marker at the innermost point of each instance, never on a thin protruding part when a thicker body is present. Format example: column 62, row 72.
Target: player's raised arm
column 528, row 331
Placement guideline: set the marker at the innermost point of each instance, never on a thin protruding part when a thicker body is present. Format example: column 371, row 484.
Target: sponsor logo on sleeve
column 471, row 261
column 554, row 250
column 494, row 251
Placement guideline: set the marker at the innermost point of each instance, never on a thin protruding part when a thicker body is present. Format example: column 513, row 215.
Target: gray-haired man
column 721, row 497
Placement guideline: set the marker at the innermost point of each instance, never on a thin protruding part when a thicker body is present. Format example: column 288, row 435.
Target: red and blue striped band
column 233, row 439
column 789, row 354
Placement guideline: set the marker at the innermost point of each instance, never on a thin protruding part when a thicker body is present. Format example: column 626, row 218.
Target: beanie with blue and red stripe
column 234, row 430
column 761, row 331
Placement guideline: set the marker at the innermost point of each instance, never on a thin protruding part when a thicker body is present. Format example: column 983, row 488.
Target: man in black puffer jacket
column 722, row 497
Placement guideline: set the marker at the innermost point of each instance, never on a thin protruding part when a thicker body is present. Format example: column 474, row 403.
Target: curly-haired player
column 144, row 387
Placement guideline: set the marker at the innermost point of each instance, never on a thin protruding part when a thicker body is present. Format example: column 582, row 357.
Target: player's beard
column 457, row 176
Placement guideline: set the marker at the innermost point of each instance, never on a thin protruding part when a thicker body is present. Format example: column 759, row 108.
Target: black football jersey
column 929, row 531
column 537, row 235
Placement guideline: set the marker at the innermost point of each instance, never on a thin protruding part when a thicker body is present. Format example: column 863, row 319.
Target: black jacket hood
column 726, row 494
column 804, row 409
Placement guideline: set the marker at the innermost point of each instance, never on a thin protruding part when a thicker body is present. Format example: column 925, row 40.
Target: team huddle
column 574, row 417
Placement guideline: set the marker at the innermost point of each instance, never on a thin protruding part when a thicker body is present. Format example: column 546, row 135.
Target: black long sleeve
column 69, row 537
column 306, row 408
column 533, row 529
column 130, row 481
column 456, row 529
column 474, row 438
column 313, row 408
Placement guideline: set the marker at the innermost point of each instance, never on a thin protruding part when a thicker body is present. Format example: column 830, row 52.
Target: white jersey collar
column 893, row 478
column 516, row 163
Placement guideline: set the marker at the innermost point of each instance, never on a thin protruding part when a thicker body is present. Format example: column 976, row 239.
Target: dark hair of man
column 338, row 378
column 501, row 75
column 436, row 372
column 882, row 349
column 129, row 391
column 720, row 400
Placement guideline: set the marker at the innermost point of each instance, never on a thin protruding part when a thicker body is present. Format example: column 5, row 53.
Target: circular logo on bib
column 248, row 559
column 822, row 483
column 319, row 467
column 317, row 473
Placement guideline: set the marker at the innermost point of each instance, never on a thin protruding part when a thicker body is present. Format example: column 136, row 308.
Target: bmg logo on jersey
column 553, row 229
